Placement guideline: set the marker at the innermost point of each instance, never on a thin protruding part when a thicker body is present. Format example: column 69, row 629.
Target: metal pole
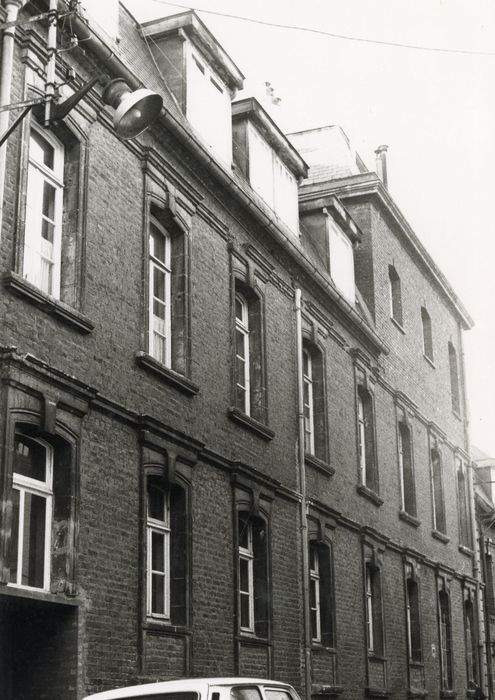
column 303, row 502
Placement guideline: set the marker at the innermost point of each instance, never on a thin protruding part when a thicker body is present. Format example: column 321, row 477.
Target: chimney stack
column 381, row 164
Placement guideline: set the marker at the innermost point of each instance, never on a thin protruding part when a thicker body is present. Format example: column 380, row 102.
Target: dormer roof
column 196, row 31
column 251, row 109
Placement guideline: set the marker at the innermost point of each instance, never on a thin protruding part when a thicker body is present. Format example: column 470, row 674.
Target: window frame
column 415, row 654
column 242, row 328
column 308, row 406
column 165, row 268
column 161, row 527
column 373, row 599
column 455, row 388
column 44, row 489
column 395, row 295
column 427, row 334
column 315, row 582
column 445, row 638
column 437, row 490
column 366, row 439
column 408, row 504
column 464, row 504
column 246, row 554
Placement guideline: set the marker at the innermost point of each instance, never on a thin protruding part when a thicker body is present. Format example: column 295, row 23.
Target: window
column 250, row 393
column 471, row 638
column 32, row 496
column 315, row 420
column 427, row 334
column 408, row 490
column 252, row 574
column 166, row 550
column 159, row 293
column 374, row 620
column 413, row 617
column 395, row 295
column 437, row 485
column 368, row 473
column 465, row 532
column 341, row 256
column 454, row 380
column 167, row 291
column 445, row 634
column 321, row 594
column 44, row 207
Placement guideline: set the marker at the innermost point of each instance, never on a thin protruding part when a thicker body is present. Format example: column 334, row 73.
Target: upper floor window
column 439, row 522
column 32, row 496
column 471, row 639
column 252, row 574
column 44, row 209
column 321, row 595
column 454, row 379
column 315, row 432
column 427, row 334
column 445, row 634
column 341, row 257
column 368, row 472
column 374, row 613
column 465, row 532
column 395, row 294
column 166, row 549
column 272, row 179
column 408, row 490
column 159, row 293
column 413, row 617
column 249, row 387
column 208, row 105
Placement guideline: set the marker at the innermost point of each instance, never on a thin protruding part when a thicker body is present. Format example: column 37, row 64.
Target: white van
column 203, row 689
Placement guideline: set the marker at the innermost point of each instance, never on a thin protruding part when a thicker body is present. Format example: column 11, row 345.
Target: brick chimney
column 381, row 164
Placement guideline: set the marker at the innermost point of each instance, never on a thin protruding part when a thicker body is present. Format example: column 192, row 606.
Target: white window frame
column 34, row 253
column 162, row 527
column 314, row 579
column 308, row 407
column 247, row 554
column 163, row 267
column 368, row 590
column 242, row 327
column 361, row 439
column 43, row 489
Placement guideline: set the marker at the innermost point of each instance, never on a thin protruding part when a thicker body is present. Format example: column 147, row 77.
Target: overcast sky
column 436, row 112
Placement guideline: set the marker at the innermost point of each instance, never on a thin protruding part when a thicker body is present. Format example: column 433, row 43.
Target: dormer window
column 341, row 257
column 208, row 105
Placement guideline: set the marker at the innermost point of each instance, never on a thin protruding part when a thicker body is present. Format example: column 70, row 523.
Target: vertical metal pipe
column 6, row 71
column 303, row 502
column 51, row 45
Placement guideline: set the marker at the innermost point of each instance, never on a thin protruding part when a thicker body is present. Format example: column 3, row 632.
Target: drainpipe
column 6, row 70
column 303, row 501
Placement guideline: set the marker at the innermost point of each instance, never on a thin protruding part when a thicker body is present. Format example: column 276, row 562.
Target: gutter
column 179, row 130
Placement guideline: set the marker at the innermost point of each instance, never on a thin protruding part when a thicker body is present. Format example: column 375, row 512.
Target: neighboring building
column 164, row 510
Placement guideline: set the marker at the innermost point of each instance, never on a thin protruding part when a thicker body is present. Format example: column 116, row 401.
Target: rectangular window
column 471, row 637
column 44, row 208
column 314, row 593
column 29, row 551
column 243, row 389
column 341, row 255
column 427, row 334
column 395, row 295
column 439, row 522
column 373, row 598
column 408, row 490
column 366, row 439
column 321, row 594
column 252, row 572
column 246, row 579
column 464, row 509
column 159, row 293
column 445, row 634
column 413, row 617
column 308, row 405
column 454, row 380
column 158, row 550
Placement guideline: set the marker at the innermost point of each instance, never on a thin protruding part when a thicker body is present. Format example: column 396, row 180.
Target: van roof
column 199, row 685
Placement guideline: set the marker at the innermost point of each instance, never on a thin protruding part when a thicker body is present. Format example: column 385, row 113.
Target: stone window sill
column 48, row 304
column 165, row 627
column 319, row 464
column 247, row 638
column 466, row 550
column 441, row 536
column 369, row 494
column 263, row 431
column 43, row 596
column 408, row 518
column 179, row 381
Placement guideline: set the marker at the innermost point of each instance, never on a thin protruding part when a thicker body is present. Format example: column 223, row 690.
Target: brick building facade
column 233, row 424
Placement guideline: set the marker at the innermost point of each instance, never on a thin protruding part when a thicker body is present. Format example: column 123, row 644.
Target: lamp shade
column 134, row 111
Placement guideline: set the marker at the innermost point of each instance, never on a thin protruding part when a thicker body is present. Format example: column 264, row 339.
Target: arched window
column 242, row 355
column 408, row 490
column 314, row 403
column 465, row 532
column 427, row 334
column 437, row 486
column 413, row 619
column 471, row 640
column 445, row 634
column 321, row 594
column 395, row 294
column 374, row 612
column 252, row 574
column 454, row 379
column 159, row 293
column 366, row 439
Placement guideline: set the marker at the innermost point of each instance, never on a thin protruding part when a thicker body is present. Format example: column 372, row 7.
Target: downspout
column 483, row 661
column 6, row 71
column 303, row 501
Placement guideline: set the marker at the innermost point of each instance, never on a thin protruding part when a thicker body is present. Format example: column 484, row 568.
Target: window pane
column 243, row 532
column 244, row 575
column 33, row 544
column 157, row 244
column 47, row 233
column 239, row 344
column 157, row 551
column 48, row 200
column 238, row 309
column 14, row 538
column 158, row 284
column 156, row 503
column 40, row 150
column 245, row 621
column 29, row 458
column 158, row 594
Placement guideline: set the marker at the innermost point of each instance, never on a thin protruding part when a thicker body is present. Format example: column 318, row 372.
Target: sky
column 434, row 109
